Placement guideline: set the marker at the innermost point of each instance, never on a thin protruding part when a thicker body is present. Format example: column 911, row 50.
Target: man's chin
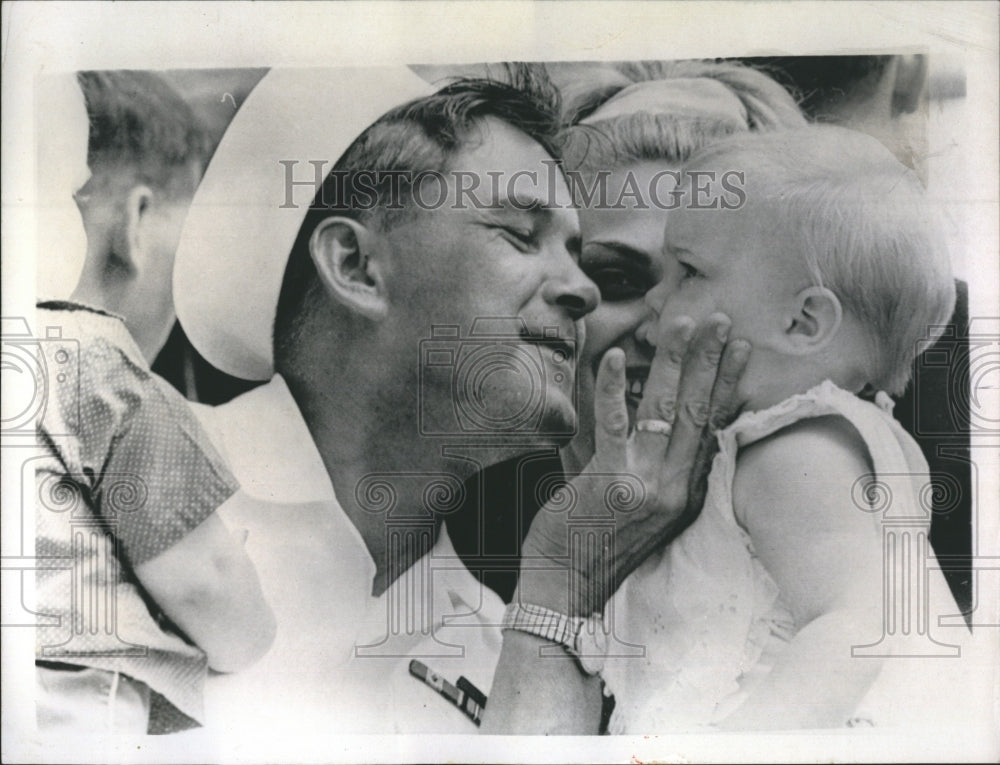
column 560, row 418
column 554, row 429
column 556, row 426
column 496, row 450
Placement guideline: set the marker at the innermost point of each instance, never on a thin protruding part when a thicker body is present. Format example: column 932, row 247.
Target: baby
column 769, row 610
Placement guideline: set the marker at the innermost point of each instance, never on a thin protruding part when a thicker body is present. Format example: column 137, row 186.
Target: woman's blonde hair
column 658, row 135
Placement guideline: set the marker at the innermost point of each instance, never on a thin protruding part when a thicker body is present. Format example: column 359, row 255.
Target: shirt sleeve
column 162, row 477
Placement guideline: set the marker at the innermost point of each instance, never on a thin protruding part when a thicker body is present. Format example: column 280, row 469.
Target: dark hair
column 418, row 137
column 141, row 125
column 819, row 82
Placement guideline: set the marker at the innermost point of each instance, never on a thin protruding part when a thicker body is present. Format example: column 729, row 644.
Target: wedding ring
column 660, row 427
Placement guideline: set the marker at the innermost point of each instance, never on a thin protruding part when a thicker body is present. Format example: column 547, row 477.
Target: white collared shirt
column 340, row 661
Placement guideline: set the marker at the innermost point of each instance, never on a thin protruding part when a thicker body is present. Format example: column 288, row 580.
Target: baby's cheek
column 694, row 301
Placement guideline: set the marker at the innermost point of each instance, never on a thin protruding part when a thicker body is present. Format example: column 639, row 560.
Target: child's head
column 146, row 153
column 829, row 261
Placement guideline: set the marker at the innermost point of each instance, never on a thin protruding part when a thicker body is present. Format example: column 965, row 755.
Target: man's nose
column 572, row 291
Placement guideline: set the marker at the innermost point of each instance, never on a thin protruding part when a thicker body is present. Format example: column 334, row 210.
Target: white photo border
column 45, row 37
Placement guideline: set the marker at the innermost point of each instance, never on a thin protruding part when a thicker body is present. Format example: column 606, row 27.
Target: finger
column 722, row 410
column 725, row 402
column 701, row 368
column 610, row 411
column 659, row 397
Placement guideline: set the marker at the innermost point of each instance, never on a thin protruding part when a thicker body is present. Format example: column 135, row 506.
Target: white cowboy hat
column 240, row 227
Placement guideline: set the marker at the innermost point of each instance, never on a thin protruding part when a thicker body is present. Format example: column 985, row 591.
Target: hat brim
column 246, row 215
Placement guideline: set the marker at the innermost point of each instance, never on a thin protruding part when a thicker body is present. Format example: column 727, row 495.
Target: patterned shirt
column 125, row 473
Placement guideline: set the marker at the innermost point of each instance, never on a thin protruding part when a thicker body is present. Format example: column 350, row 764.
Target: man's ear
column 133, row 251
column 815, row 320
column 909, row 82
column 342, row 250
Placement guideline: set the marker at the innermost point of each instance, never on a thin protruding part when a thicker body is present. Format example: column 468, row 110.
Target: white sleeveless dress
column 709, row 615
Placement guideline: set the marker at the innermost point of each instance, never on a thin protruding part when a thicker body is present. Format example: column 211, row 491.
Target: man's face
column 499, row 266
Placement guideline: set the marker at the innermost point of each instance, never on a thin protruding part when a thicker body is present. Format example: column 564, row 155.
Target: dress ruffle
column 706, row 610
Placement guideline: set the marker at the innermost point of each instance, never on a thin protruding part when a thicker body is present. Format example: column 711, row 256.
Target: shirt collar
column 77, row 319
column 271, row 452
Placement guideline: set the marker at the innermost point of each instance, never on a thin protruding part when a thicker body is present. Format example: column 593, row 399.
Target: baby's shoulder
column 803, row 459
column 805, row 441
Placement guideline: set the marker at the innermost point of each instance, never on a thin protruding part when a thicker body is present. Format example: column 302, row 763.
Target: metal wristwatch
column 584, row 637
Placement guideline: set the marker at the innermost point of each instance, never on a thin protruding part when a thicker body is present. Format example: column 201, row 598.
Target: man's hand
column 651, row 482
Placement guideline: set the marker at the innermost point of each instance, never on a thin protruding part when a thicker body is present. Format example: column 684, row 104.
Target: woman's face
column 623, row 255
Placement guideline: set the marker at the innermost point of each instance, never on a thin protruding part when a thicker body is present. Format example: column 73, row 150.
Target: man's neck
column 388, row 481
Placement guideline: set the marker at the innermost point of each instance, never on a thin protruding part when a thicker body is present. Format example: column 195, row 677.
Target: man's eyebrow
column 625, row 250
column 532, row 206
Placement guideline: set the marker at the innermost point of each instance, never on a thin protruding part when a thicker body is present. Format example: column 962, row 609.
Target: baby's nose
column 645, row 333
column 656, row 298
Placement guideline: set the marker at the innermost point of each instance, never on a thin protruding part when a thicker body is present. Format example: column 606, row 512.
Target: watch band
column 543, row 622
column 567, row 631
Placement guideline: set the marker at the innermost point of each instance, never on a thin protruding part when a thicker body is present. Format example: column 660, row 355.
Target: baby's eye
column 617, row 284
column 689, row 271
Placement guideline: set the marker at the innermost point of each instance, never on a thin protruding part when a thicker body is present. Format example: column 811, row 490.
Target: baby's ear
column 814, row 321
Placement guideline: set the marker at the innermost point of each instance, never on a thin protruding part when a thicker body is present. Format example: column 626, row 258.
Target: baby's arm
column 209, row 588
column 793, row 493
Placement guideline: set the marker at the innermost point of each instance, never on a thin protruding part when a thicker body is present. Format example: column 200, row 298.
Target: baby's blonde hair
column 862, row 224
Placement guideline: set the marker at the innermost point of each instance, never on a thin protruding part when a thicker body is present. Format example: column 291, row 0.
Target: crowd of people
column 547, row 407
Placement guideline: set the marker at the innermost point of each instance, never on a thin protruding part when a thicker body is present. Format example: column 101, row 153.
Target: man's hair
column 821, row 82
column 861, row 222
column 421, row 136
column 142, row 130
column 655, row 136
